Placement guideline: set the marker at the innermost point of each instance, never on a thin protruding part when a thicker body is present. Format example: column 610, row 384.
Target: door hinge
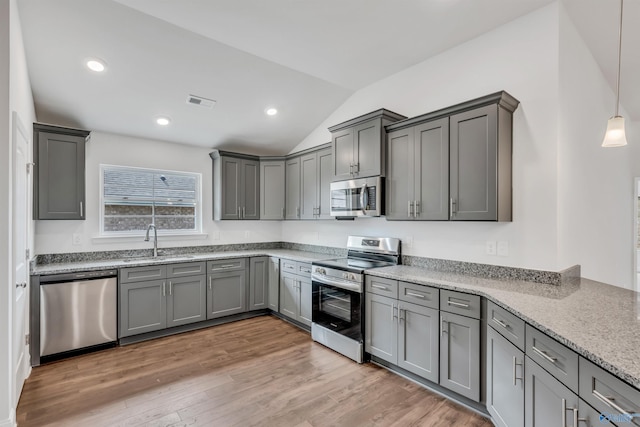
column 28, row 253
column 26, row 339
column 30, row 167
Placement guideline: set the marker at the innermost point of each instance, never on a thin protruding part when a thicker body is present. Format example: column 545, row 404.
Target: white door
column 20, row 244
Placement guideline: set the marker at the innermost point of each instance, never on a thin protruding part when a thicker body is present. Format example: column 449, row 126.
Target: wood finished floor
column 257, row 372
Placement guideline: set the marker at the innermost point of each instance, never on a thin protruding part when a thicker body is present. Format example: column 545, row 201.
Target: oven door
column 338, row 309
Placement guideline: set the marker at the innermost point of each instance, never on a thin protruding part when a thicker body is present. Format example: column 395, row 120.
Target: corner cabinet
column 295, row 291
column 259, row 283
column 59, row 173
column 453, row 164
column 315, row 180
column 272, row 189
column 359, row 145
column 236, row 186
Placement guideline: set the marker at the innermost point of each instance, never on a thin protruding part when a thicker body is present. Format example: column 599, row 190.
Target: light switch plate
column 247, row 234
column 77, row 239
column 491, row 247
column 503, row 248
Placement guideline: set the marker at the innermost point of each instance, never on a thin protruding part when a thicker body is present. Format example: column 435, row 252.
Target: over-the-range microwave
column 358, row 197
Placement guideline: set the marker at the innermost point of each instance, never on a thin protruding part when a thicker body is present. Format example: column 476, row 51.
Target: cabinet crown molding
column 378, row 114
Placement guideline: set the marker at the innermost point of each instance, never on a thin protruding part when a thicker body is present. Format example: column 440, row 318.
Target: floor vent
column 200, row 101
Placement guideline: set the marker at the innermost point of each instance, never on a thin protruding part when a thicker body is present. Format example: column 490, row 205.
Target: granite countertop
column 92, row 265
column 598, row 321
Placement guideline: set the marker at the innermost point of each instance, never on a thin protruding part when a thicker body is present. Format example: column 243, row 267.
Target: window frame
column 135, row 233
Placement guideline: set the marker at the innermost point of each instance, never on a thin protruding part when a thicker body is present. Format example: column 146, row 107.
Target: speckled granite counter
column 92, row 265
column 598, row 321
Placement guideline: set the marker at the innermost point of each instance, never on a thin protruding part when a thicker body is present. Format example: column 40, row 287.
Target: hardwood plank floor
column 256, row 372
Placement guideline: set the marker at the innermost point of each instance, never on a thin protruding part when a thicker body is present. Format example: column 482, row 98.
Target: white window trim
column 130, row 235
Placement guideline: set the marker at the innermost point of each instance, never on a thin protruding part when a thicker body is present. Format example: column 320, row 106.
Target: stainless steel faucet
column 155, row 238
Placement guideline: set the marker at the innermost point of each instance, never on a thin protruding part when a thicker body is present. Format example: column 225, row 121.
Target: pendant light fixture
column 615, row 135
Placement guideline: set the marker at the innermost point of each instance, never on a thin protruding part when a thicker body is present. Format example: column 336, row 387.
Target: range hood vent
column 200, row 101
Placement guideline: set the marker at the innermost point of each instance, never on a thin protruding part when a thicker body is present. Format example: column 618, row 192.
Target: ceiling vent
column 200, row 101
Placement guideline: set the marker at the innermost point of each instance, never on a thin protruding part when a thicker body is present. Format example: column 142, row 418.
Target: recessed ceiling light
column 271, row 111
column 96, row 65
column 163, row 121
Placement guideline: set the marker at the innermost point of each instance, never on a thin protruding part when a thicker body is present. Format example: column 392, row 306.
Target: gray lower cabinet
column 272, row 189
column 59, row 172
column 505, row 381
column 460, row 354
column 226, row 293
column 258, row 283
column 274, row 283
column 186, row 300
column 142, row 307
column 402, row 333
column 296, row 291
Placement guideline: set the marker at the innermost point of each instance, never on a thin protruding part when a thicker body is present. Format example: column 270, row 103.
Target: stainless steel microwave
column 358, row 197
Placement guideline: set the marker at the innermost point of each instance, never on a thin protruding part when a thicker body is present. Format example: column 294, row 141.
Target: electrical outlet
column 491, row 247
column 503, row 248
column 247, row 234
column 216, row 235
column 77, row 239
column 407, row 242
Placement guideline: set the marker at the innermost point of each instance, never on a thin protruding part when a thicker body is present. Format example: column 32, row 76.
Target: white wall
column 104, row 148
column 595, row 185
column 520, row 57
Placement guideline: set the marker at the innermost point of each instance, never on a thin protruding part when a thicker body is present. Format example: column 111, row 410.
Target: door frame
column 636, row 239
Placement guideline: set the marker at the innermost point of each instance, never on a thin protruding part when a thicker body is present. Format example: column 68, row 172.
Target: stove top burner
column 355, row 265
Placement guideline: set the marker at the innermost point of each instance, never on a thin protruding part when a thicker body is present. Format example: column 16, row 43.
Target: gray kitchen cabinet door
column 418, row 340
column 274, row 283
column 400, row 175
column 59, row 175
column 325, row 175
column 367, row 149
column 142, row 307
column 460, row 354
column 250, row 189
column 305, row 293
column 308, row 186
column 272, row 189
column 342, row 142
column 473, row 163
column 431, row 170
column 186, row 300
column 292, row 188
column 258, row 283
column 226, row 294
column 289, row 298
column 381, row 327
column 547, row 400
column 231, row 182
column 505, row 381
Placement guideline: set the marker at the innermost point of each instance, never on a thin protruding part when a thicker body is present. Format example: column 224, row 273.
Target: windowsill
column 138, row 237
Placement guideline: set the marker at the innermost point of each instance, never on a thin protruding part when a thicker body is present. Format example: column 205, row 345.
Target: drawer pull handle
column 608, row 400
column 501, row 323
column 289, row 267
column 458, row 304
column 380, row 287
column 411, row 294
column 544, row 355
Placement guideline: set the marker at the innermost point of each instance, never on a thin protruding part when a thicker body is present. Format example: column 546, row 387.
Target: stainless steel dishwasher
column 78, row 310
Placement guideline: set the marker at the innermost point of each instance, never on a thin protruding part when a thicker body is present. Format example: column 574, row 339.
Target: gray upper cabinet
column 418, row 172
column 258, row 283
column 315, row 181
column 325, row 175
column 460, row 354
column 292, row 188
column 505, row 381
column 274, row 283
column 59, row 173
column 236, row 186
column 272, row 189
column 359, row 145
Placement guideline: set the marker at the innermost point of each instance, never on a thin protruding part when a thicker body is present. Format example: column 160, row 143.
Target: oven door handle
column 364, row 199
column 337, row 283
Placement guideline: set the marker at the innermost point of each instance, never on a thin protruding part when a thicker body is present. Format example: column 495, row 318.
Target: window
column 133, row 198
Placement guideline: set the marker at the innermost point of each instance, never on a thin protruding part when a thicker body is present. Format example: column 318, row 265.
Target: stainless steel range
column 338, row 293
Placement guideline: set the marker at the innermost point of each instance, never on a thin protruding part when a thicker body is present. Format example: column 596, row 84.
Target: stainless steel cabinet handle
column 416, row 210
column 411, row 294
column 170, row 288
column 452, row 207
column 164, row 289
column 410, row 209
column 458, row 304
column 356, row 166
column 239, row 217
column 210, row 278
column 544, row 355
column 243, row 212
column 500, row 322
column 225, row 266
column 564, row 413
column 442, row 331
column 379, row 287
column 81, row 209
column 392, row 307
column 402, row 317
column 515, row 365
column 608, row 400
column 351, row 169
column 21, row 285
column 298, row 212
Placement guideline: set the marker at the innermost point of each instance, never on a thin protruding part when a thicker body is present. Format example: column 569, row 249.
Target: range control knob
column 321, row 271
column 352, row 277
column 345, row 276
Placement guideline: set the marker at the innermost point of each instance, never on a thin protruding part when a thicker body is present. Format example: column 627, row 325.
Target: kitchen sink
column 160, row 258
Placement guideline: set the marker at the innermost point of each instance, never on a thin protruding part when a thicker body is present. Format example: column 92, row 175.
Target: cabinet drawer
column 460, row 303
column 303, row 268
column 226, row 265
column 560, row 361
column 419, row 294
column 380, row 286
column 288, row 266
column 607, row 393
column 508, row 325
column 140, row 274
column 186, row 269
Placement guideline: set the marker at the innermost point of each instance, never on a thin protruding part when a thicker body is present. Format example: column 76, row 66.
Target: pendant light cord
column 619, row 60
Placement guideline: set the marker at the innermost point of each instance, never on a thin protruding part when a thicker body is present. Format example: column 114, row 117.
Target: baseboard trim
column 11, row 421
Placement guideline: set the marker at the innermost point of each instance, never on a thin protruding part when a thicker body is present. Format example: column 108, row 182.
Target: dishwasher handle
column 76, row 277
